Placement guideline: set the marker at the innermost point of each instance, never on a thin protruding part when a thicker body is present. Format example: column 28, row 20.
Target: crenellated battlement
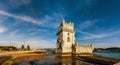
column 64, row 26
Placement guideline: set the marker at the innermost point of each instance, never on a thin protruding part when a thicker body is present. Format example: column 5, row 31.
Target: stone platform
column 91, row 59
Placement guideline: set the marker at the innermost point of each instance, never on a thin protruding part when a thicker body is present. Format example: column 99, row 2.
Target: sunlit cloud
column 98, row 36
column 24, row 18
column 52, row 20
column 41, row 43
column 87, row 24
column 2, row 29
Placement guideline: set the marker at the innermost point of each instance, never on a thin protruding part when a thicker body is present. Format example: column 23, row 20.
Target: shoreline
column 95, row 59
column 98, row 59
column 27, row 57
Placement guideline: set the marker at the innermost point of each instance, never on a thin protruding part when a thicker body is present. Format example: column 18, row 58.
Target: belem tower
column 66, row 42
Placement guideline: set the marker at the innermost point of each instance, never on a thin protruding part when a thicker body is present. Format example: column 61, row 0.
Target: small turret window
column 68, row 39
column 68, row 33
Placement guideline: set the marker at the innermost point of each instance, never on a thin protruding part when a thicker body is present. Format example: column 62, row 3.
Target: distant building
column 66, row 42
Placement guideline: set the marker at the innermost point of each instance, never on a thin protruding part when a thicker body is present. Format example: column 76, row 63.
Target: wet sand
column 26, row 57
column 4, row 58
column 21, row 57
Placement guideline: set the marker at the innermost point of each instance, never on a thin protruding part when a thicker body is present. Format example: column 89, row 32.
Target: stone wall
column 84, row 49
column 66, row 50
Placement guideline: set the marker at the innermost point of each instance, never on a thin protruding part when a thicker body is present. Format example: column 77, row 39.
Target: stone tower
column 65, row 37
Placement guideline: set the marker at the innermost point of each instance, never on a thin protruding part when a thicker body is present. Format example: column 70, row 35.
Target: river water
column 109, row 54
column 57, row 60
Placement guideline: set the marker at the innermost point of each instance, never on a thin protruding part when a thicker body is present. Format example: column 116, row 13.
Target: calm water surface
column 109, row 54
column 57, row 60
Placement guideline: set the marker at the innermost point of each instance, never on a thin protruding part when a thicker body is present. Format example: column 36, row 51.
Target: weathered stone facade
column 66, row 40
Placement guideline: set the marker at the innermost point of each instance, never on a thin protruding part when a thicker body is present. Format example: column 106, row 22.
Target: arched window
column 68, row 39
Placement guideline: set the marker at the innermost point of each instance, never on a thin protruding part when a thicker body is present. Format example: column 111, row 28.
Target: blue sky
column 36, row 21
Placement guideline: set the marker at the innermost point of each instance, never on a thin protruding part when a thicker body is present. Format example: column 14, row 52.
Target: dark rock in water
column 34, row 62
column 22, row 63
column 43, row 63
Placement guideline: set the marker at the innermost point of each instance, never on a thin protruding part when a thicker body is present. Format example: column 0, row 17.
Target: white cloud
column 98, row 36
column 24, row 18
column 33, row 33
column 40, row 30
column 52, row 20
column 2, row 29
column 3, row 19
column 12, row 36
column 101, row 40
column 41, row 43
column 34, row 42
column 87, row 24
column 47, row 21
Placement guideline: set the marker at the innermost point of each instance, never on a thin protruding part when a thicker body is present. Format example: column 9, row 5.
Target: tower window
column 68, row 33
column 68, row 39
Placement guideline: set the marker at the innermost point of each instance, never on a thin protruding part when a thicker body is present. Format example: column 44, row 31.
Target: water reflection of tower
column 58, row 59
column 73, row 55
column 65, row 60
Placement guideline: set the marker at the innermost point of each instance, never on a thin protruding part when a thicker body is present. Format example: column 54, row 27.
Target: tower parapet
column 64, row 26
